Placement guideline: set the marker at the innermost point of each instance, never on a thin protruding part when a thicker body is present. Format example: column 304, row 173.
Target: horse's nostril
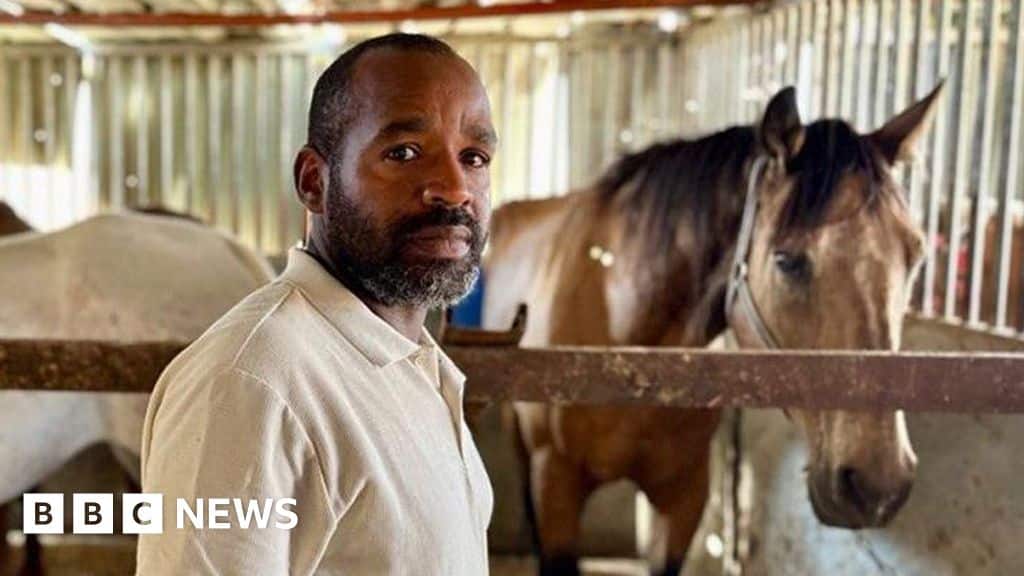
column 855, row 491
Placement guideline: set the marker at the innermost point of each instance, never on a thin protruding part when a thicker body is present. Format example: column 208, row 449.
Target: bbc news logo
column 144, row 513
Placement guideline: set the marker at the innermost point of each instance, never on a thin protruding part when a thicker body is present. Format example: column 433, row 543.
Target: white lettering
column 196, row 517
column 282, row 511
column 218, row 509
column 253, row 508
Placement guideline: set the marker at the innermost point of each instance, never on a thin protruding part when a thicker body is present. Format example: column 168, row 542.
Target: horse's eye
column 794, row 265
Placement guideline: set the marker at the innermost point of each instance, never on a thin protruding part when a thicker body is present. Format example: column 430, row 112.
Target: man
column 324, row 386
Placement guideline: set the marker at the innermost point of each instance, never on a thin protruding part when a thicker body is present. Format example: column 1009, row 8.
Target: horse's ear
column 898, row 139
column 782, row 131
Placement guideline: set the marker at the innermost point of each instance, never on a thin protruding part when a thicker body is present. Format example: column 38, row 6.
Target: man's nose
column 447, row 183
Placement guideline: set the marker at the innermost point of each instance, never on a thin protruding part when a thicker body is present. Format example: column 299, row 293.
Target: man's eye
column 475, row 159
column 403, row 153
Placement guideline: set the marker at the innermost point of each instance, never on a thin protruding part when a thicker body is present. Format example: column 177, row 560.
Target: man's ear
column 899, row 138
column 782, row 131
column 311, row 179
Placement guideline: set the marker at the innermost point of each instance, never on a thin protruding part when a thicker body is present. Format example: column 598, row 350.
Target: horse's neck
column 683, row 302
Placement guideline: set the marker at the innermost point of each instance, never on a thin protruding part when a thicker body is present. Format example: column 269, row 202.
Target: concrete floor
column 115, row 556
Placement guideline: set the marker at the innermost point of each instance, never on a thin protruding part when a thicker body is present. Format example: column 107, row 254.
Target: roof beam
column 349, row 17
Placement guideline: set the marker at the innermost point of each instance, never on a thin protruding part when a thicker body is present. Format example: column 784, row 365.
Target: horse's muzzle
column 847, row 498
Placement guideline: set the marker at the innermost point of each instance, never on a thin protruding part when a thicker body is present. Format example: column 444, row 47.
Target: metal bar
column 25, row 139
column 938, row 164
column 846, row 70
column 49, row 132
column 920, row 51
column 833, row 63
column 284, row 154
column 1013, row 166
column 141, row 132
column 214, row 140
column 611, row 106
column 964, row 152
column 239, row 140
column 805, row 65
column 980, row 228
column 558, row 136
column 70, row 95
column 818, row 103
column 191, row 132
column 115, row 159
column 881, row 80
column 641, row 112
column 179, row 19
column 904, row 29
column 262, row 157
column 868, row 19
column 853, row 380
column 531, row 103
column 6, row 130
column 166, row 132
column 779, row 48
column 506, row 98
column 790, row 72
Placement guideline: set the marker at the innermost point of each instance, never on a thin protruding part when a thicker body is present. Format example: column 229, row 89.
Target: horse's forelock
column 831, row 150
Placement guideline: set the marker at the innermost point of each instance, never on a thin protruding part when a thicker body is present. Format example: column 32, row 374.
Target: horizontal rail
column 917, row 381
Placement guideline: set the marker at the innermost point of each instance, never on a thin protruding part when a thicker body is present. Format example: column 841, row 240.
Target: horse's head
column 832, row 258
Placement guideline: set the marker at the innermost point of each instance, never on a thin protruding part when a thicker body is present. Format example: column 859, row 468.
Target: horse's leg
column 559, row 489
column 680, row 506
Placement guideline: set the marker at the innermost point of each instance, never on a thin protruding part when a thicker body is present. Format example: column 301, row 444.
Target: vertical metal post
column 166, row 84
column 191, row 133
column 139, row 90
column 920, row 52
column 239, row 140
column 284, row 153
column 1010, row 191
column 935, row 191
column 881, row 84
column 981, row 198
column 963, row 155
column 115, row 92
column 214, row 139
column 263, row 183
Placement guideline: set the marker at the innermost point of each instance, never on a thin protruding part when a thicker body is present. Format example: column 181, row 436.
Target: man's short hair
column 330, row 111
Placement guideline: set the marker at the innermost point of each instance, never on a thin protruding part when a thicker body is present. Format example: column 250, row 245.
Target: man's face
column 408, row 204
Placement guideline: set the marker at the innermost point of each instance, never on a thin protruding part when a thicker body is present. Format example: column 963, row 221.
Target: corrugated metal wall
column 213, row 130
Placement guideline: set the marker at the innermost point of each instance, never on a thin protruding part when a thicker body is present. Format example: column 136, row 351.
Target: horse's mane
column 677, row 183
column 699, row 183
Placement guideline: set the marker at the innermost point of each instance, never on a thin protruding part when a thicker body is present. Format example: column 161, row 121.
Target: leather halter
column 740, row 310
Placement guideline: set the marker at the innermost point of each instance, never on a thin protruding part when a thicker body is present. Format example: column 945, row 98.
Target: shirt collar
column 370, row 334
column 447, row 370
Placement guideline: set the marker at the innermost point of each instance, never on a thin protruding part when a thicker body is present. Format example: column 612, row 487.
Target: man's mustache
column 439, row 217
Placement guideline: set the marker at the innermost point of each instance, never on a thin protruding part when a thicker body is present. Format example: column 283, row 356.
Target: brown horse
column 646, row 257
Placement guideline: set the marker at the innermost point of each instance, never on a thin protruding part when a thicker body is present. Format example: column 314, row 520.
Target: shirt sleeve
column 231, row 437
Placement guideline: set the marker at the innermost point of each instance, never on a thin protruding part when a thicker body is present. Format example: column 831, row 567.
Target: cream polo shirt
column 300, row 391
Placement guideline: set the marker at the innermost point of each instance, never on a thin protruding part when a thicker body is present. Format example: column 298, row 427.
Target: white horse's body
column 123, row 277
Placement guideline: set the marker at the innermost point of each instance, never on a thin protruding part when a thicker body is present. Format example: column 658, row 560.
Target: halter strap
column 740, row 310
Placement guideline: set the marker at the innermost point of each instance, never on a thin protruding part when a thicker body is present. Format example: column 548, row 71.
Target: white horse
column 122, row 277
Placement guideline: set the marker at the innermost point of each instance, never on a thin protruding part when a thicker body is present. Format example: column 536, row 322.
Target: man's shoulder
column 273, row 335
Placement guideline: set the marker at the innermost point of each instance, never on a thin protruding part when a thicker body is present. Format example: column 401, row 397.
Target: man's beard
column 372, row 256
